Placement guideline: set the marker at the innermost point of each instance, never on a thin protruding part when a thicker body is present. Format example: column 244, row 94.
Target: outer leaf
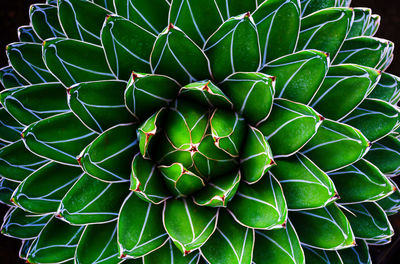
column 44, row 21
column 388, row 89
column 311, row 6
column 26, row 34
column 92, row 201
column 373, row 25
column 10, row 129
column 9, row 78
column 298, row 75
column 6, row 190
column 356, row 254
column 188, row 225
column 391, row 203
column 261, row 205
column 336, row 145
column 109, row 156
column 362, row 17
column 25, row 247
column 145, row 234
column 278, row 246
column 316, row 256
column 325, row 228
column 60, row 138
column 170, row 254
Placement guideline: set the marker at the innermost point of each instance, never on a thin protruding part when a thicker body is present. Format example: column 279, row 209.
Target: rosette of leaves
column 199, row 131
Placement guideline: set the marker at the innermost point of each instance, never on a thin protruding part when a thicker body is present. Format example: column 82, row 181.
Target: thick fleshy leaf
column 26, row 245
column 71, row 67
column 144, row 13
column 10, row 129
column 143, row 235
column 304, row 184
column 232, row 8
column 365, row 51
column 374, row 118
column 298, row 75
column 230, row 241
column 146, row 180
column 260, row 205
column 287, row 116
column 256, row 157
column 26, row 59
column 56, row 243
column 16, row 162
column 317, row 256
column 44, row 21
column 27, row 34
column 234, row 47
column 385, row 154
column 368, row 221
column 98, row 244
column 388, row 89
column 357, row 254
column 189, row 225
column 60, row 138
column 31, row 103
column 87, row 19
column 325, row 30
column 145, row 94
column 173, row 55
column 6, row 190
column 44, row 189
column 391, row 203
column 361, row 182
column 311, row 6
column 362, row 17
column 325, row 228
column 9, row 78
column 99, row 105
column 269, row 18
column 92, row 201
column 373, row 25
column 169, row 253
column 109, row 156
column 251, row 94
column 344, row 88
column 218, row 192
column 127, row 46
column 278, row 246
column 149, row 129
column 23, row 225
column 336, row 145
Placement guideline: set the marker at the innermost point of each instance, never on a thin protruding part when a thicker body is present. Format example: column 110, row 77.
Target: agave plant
column 199, row 131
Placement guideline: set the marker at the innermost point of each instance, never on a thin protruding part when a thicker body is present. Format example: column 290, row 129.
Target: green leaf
column 278, row 246
column 98, row 244
column 325, row 228
column 356, row 254
column 56, row 243
column 251, row 94
column 218, row 192
column 374, row 118
column 366, row 51
column 269, row 17
column 387, row 89
column 173, row 55
column 344, row 88
column 145, row 234
column 362, row 17
column 60, row 138
column 256, row 157
column 26, row 59
column 232, row 8
column 143, row 13
column 336, row 145
column 71, row 67
column 91, row 201
column 148, row 130
column 230, row 241
column 109, row 156
column 25, row 247
column 373, row 25
column 127, row 46
column 368, row 221
column 6, row 190
column 188, row 225
column 27, row 34
column 87, row 19
column 311, row 6
column 234, row 47
column 29, row 104
column 287, row 116
column 145, row 94
column 23, row 225
column 10, row 129
column 99, row 105
column 317, row 256
column 385, row 154
column 261, row 205
column 145, row 180
column 44, row 21
column 325, row 30
column 298, row 75
column 391, row 203
column 107, row 4
column 304, row 184
column 9, row 78
column 170, row 254
column 42, row 192
column 381, row 242
column 361, row 182
column 16, row 162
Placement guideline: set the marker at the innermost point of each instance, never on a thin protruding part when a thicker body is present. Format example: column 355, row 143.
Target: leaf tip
column 170, row 26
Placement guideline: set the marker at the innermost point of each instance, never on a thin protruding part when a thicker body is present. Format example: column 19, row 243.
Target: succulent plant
column 199, row 131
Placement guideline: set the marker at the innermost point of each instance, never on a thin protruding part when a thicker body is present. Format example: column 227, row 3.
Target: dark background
column 14, row 13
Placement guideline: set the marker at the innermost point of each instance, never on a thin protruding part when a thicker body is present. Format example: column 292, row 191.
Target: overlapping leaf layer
column 199, row 131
